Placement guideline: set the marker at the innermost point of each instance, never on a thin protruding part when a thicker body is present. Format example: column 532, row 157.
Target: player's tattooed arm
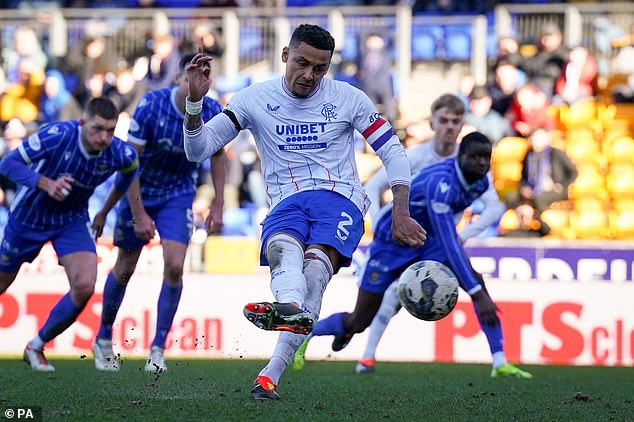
column 405, row 230
column 193, row 122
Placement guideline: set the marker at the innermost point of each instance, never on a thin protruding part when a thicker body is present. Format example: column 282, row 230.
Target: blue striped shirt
column 157, row 125
column 438, row 192
column 56, row 150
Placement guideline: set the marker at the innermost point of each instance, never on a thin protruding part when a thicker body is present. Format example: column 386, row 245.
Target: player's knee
column 283, row 250
column 357, row 323
column 173, row 272
column 82, row 291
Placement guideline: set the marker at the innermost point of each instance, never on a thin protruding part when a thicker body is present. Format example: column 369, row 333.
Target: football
column 428, row 290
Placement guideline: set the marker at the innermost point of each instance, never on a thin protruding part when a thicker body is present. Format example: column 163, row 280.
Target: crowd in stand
column 36, row 88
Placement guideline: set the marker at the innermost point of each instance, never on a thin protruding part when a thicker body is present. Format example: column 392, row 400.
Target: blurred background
column 533, row 75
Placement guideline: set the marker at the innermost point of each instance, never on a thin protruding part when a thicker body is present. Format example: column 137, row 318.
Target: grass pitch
column 218, row 390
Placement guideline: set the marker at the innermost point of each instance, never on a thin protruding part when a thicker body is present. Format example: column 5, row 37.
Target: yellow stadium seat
column 580, row 114
column 622, row 204
column 510, row 148
column 557, row 220
column 622, row 224
column 508, row 222
column 620, row 185
column 590, row 225
column 621, row 150
column 508, row 171
column 588, row 185
column 584, row 150
column 589, row 204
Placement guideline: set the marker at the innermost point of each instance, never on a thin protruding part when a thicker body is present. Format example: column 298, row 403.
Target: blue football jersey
column 157, row 125
column 438, row 192
column 56, row 150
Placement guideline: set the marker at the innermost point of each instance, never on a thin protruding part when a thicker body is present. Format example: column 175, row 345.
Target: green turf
column 218, row 390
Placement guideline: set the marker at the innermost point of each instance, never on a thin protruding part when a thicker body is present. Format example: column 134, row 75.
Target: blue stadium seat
column 251, row 42
column 458, row 42
column 424, row 42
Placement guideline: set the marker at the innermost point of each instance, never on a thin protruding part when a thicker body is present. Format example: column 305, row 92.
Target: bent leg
column 81, row 269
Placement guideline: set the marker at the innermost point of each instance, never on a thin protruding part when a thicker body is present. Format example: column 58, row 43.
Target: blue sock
column 167, row 306
column 113, row 293
column 333, row 325
column 63, row 314
column 493, row 334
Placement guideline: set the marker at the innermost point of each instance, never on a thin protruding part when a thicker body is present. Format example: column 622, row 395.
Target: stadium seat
column 590, row 225
column 558, row 221
column 424, row 41
column 510, row 148
column 458, row 43
column 588, row 185
column 621, row 150
column 508, row 222
column 622, row 204
column 589, row 204
column 620, row 185
column 622, row 224
column 580, row 114
column 583, row 150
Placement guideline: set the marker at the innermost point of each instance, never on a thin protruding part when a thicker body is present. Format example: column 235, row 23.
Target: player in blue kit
column 304, row 126
column 166, row 186
column 438, row 192
column 58, row 169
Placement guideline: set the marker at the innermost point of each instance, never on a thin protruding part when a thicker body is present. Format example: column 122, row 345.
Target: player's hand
column 406, row 231
column 143, row 227
column 487, row 310
column 60, row 188
column 198, row 76
column 213, row 222
column 98, row 223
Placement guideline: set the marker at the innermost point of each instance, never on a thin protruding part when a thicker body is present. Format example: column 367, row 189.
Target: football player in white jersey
column 447, row 113
column 304, row 127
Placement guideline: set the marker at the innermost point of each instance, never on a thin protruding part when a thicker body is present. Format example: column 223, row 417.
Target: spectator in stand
column 623, row 64
column 547, row 172
column 545, row 67
column 126, row 91
column 466, row 83
column 508, row 78
column 375, row 76
column 25, row 46
column 163, row 63
column 56, row 102
column 578, row 78
column 89, row 60
column 508, row 52
column 21, row 100
column 485, row 120
column 529, row 111
column 204, row 36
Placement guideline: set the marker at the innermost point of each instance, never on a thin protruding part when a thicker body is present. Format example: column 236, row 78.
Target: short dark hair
column 313, row 35
column 453, row 103
column 185, row 60
column 473, row 138
column 102, row 107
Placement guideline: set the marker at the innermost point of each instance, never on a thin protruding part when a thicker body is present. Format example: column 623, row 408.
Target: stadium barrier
column 561, row 302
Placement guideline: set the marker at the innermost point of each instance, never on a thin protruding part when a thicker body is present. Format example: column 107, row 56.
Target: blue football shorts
column 387, row 261
column 173, row 218
column 318, row 217
column 22, row 244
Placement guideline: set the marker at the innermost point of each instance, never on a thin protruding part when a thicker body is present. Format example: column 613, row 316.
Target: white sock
column 37, row 343
column 498, row 359
column 287, row 345
column 390, row 305
column 286, row 260
column 317, row 272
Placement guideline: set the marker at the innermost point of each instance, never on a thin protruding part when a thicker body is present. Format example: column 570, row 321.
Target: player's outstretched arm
column 213, row 222
column 405, row 230
column 199, row 82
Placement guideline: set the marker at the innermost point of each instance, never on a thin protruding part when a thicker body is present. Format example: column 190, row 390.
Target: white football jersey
column 308, row 143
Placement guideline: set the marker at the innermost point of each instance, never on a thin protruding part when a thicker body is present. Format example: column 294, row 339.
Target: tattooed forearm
column 193, row 122
column 401, row 199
